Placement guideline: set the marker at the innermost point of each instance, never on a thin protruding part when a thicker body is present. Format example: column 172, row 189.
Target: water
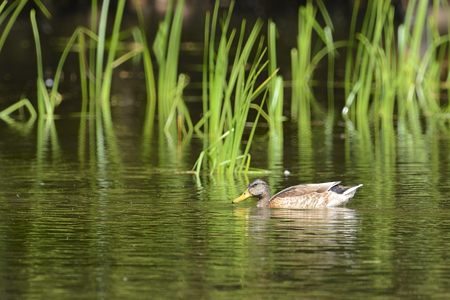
column 135, row 226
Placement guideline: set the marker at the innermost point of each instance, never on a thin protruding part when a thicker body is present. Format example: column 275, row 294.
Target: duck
column 303, row 196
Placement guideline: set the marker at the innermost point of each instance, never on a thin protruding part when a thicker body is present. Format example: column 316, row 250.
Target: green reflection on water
column 125, row 226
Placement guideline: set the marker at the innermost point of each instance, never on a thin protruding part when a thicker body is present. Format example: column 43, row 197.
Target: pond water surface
column 81, row 222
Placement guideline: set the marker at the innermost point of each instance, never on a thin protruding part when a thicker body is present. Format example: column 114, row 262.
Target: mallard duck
column 314, row 195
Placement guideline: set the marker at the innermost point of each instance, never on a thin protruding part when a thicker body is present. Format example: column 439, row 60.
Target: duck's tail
column 350, row 192
column 342, row 195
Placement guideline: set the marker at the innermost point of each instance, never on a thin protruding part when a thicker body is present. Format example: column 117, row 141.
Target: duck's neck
column 264, row 200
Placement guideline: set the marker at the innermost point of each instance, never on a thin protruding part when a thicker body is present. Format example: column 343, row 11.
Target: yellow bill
column 245, row 195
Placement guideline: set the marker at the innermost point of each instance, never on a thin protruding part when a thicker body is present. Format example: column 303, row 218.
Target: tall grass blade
column 45, row 106
column 107, row 76
column 275, row 102
column 17, row 9
column 100, row 50
column 167, row 48
column 150, row 84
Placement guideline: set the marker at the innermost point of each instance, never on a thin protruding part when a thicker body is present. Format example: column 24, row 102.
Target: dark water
column 130, row 223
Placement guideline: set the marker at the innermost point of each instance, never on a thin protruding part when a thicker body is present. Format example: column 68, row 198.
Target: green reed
column 394, row 73
column 9, row 14
column 276, row 86
column 410, row 36
column 215, row 68
column 172, row 112
column 46, row 105
column 7, row 114
column 150, row 84
column 13, row 11
column 2, row 7
column 105, row 91
column 229, row 96
column 274, row 105
column 371, row 60
column 389, row 75
column 48, row 99
column 304, row 62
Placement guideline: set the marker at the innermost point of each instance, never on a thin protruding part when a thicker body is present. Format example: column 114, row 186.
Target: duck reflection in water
column 298, row 244
column 308, row 222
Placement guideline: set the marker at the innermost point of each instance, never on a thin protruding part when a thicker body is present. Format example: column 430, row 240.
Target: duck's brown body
column 318, row 195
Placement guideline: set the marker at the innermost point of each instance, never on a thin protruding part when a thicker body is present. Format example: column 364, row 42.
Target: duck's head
column 258, row 188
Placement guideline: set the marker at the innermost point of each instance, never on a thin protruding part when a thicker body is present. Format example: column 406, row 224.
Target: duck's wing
column 305, row 189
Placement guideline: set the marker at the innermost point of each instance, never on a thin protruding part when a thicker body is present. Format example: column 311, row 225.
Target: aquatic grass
column 179, row 113
column 48, row 99
column 2, row 7
column 150, row 84
column 96, row 68
column 304, row 62
column 276, row 86
column 429, row 76
column 95, row 71
column 275, row 101
column 103, row 70
column 378, row 12
column 370, row 61
column 100, row 50
column 113, row 44
column 7, row 114
column 166, row 47
column 83, row 62
column 394, row 73
column 46, row 105
column 98, row 57
column 14, row 10
column 348, row 79
column 93, row 26
column 47, row 142
column 215, row 67
column 228, row 96
column 330, row 45
column 409, row 51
